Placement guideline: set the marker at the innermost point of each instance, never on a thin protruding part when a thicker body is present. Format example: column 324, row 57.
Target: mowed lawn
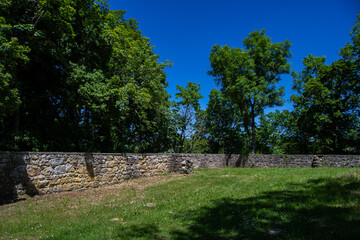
column 229, row 203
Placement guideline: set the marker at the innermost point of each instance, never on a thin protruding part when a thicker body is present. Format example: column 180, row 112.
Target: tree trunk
column 252, row 129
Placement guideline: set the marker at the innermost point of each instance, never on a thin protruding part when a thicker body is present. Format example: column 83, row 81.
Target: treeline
column 77, row 76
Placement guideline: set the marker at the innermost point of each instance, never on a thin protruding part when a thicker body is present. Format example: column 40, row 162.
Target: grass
column 224, row 203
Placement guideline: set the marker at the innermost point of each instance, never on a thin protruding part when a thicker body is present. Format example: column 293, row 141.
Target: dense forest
column 77, row 76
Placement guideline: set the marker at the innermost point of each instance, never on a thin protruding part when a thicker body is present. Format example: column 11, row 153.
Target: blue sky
column 185, row 31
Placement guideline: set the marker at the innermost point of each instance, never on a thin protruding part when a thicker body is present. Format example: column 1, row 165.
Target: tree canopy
column 188, row 115
column 248, row 76
column 328, row 100
column 77, row 76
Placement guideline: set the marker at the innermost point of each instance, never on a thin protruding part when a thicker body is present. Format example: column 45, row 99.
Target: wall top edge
column 170, row 154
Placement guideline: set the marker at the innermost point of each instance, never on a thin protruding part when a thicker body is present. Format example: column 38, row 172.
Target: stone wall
column 274, row 161
column 40, row 173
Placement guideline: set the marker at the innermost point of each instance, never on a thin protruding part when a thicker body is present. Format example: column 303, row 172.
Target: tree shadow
column 326, row 208
column 14, row 179
column 147, row 231
column 89, row 159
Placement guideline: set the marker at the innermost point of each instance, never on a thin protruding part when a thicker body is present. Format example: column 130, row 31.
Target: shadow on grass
column 148, row 231
column 327, row 208
column 318, row 209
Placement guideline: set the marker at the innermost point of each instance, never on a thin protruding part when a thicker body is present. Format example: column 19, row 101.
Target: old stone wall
column 40, row 173
column 248, row 161
column 274, row 161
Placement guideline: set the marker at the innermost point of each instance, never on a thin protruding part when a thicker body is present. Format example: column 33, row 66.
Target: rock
column 39, row 177
column 43, row 183
column 68, row 167
column 48, row 171
column 95, row 184
column 150, row 204
column 33, row 171
column 19, row 172
column 60, row 170
column 26, row 158
column 57, row 161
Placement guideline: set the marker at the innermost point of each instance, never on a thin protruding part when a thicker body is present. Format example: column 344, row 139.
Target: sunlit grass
column 224, row 203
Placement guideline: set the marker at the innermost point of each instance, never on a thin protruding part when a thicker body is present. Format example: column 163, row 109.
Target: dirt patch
column 94, row 196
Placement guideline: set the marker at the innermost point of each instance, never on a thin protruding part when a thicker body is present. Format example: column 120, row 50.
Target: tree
column 328, row 100
column 188, row 115
column 77, row 76
column 249, row 76
column 325, row 103
column 278, row 133
column 223, row 125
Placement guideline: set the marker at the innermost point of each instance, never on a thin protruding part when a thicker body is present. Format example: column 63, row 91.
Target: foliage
column 77, row 76
column 278, row 133
column 328, row 101
column 188, row 116
column 248, row 76
column 223, row 125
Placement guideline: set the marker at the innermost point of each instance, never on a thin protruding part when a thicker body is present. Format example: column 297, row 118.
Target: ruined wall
column 40, row 173
column 274, row 161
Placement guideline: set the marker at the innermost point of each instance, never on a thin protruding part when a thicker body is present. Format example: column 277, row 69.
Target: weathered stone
column 39, row 177
column 26, row 158
column 33, row 171
column 48, row 171
column 68, row 167
column 77, row 180
column 20, row 172
column 62, row 172
column 42, row 184
column 59, row 170
column 95, row 184
column 57, row 161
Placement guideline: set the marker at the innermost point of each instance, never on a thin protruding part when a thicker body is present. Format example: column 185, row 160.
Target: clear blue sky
column 185, row 31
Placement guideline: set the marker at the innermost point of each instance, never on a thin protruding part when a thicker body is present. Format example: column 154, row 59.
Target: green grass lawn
column 229, row 203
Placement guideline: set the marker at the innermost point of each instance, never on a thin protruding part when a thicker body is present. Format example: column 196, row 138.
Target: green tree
column 12, row 54
column 223, row 125
column 249, row 76
column 188, row 116
column 278, row 133
column 79, row 77
column 328, row 100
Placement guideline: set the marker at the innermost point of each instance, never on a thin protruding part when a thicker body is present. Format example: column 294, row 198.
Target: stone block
column 95, row 184
column 68, row 167
column 57, row 161
column 42, row 184
column 47, row 171
column 33, row 171
column 60, row 170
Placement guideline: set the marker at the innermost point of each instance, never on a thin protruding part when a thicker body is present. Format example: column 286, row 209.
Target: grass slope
column 209, row 204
